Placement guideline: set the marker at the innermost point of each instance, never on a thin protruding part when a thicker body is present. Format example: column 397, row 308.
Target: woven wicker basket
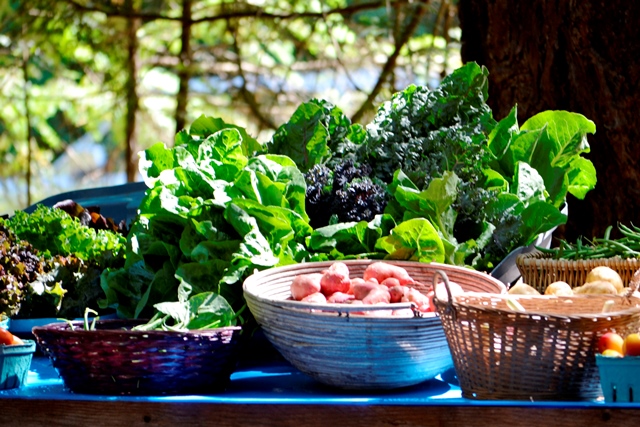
column 545, row 353
column 539, row 270
column 115, row 360
column 356, row 352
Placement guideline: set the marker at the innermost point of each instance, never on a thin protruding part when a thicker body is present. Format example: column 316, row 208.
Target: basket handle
column 449, row 308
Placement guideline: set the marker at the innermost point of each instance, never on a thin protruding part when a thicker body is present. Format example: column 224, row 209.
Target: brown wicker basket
column 356, row 352
column 115, row 360
column 545, row 353
column 539, row 270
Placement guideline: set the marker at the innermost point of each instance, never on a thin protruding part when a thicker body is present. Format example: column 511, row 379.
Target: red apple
column 631, row 345
column 610, row 341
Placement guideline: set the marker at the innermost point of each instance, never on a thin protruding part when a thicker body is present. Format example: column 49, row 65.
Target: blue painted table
column 275, row 393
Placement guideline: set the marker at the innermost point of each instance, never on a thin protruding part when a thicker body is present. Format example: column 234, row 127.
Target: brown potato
column 607, row 274
column 597, row 287
column 523, row 289
column 559, row 288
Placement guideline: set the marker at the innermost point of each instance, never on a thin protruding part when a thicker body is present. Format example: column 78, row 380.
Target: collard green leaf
column 304, row 138
column 202, row 276
column 210, row 310
column 351, row 238
column 528, row 185
column 582, row 177
column 540, row 217
column 563, row 138
column 222, row 151
column 205, row 126
column 501, row 136
column 154, row 160
column 413, row 240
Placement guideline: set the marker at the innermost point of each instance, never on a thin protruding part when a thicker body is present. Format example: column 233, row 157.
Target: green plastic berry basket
column 619, row 378
column 15, row 361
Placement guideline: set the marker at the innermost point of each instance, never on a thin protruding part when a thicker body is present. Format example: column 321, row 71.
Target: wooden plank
column 54, row 413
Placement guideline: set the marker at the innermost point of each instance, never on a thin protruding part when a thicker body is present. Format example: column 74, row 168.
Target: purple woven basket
column 115, row 360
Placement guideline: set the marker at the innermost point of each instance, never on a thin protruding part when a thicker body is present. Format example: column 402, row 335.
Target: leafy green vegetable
column 551, row 142
column 55, row 232
column 413, row 240
column 71, row 257
column 487, row 187
column 204, row 310
column 210, row 217
column 316, row 129
column 427, row 132
column 458, row 187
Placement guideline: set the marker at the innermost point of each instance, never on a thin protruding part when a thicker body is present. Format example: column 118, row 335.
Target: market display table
column 276, row 394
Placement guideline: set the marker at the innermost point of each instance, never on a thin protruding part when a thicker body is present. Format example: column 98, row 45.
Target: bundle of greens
column 214, row 211
column 487, row 187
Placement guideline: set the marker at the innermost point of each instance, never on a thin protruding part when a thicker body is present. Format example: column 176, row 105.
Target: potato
column 317, row 298
column 390, row 282
column 599, row 287
column 559, row 288
column 607, row 274
column 441, row 290
column 340, row 298
column 361, row 290
column 397, row 292
column 304, row 285
column 381, row 270
column 423, row 302
column 378, row 295
column 335, row 279
column 523, row 289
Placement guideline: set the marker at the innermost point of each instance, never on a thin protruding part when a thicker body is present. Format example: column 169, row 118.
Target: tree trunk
column 184, row 72
column 575, row 56
column 133, row 101
column 27, row 115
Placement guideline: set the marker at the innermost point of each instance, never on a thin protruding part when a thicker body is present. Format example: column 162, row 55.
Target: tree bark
column 27, row 116
column 133, row 101
column 575, row 56
column 184, row 72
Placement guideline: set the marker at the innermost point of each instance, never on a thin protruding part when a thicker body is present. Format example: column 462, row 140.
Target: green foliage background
column 128, row 73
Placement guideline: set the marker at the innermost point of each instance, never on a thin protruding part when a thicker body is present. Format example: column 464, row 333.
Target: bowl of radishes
column 360, row 324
